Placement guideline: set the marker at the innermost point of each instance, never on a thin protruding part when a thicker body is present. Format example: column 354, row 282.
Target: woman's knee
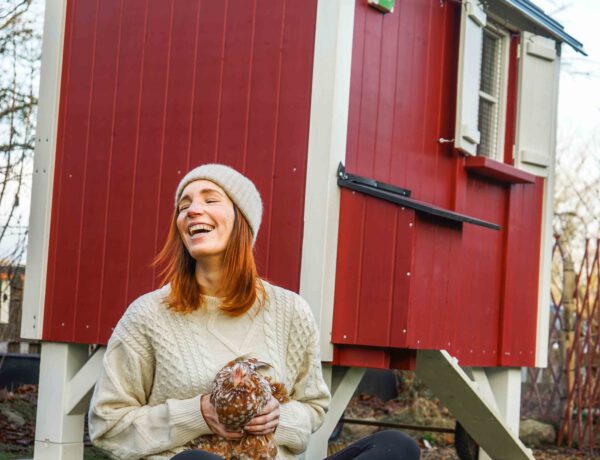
column 399, row 445
column 196, row 455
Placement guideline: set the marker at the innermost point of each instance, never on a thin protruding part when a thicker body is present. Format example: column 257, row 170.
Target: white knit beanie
column 238, row 187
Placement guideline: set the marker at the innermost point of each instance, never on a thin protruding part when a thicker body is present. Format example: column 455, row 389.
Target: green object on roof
column 386, row 6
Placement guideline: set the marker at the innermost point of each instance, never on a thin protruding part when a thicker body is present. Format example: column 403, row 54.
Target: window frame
column 503, row 34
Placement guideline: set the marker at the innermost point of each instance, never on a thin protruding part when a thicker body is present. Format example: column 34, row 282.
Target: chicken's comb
column 255, row 363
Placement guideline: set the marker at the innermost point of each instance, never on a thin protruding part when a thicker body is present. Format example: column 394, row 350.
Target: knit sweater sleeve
column 309, row 396
column 120, row 419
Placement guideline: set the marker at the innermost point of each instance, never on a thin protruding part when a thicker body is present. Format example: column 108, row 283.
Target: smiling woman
column 153, row 396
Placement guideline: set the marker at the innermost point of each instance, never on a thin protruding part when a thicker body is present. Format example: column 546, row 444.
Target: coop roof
column 540, row 20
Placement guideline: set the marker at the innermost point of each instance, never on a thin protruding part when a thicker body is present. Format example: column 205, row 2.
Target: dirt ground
column 415, row 406
column 550, row 453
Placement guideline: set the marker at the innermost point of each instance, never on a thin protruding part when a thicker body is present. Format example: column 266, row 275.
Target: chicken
column 239, row 394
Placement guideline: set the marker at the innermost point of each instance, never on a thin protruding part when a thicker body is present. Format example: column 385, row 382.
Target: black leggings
column 383, row 445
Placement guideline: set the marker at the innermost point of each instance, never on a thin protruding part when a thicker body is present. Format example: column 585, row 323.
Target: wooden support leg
column 490, row 420
column 67, row 378
column 505, row 385
column 342, row 386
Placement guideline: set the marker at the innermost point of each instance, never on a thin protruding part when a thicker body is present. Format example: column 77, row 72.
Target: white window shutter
column 538, row 92
column 472, row 22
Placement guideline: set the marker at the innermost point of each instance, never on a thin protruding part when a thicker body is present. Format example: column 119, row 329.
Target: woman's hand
column 266, row 421
column 212, row 420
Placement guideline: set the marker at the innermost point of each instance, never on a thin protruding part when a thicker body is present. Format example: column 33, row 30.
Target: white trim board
column 326, row 148
column 43, row 170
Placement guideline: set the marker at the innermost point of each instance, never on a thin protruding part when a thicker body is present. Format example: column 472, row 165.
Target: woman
column 151, row 398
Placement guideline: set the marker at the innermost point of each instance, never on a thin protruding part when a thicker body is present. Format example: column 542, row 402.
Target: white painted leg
column 479, row 376
column 64, row 392
column 342, row 390
column 505, row 385
column 483, row 455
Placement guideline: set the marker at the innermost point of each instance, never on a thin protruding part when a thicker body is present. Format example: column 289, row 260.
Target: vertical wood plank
column 511, row 100
column 358, row 45
column 264, row 107
column 91, row 242
column 122, row 168
column 143, row 239
column 176, row 124
column 349, row 262
column 377, row 271
column 235, row 84
column 207, row 83
column 403, row 268
column 54, row 296
column 385, row 105
column 289, row 169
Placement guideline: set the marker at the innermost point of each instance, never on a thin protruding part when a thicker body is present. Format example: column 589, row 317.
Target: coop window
column 492, row 91
column 4, row 301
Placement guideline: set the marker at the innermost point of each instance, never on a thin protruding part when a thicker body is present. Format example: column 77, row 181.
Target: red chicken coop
column 404, row 151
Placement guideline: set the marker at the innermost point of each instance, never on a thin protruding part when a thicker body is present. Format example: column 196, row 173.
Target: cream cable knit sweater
column 157, row 364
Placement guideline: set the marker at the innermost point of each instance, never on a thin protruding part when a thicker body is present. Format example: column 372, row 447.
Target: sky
column 579, row 96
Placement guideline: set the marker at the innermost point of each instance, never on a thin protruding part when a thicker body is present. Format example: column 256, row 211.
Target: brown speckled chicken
column 239, row 394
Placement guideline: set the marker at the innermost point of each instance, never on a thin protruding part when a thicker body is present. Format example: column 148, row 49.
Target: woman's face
column 205, row 219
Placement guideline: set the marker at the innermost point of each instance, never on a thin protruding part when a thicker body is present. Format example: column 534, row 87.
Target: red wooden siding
column 511, row 105
column 401, row 95
column 151, row 88
column 405, row 280
column 522, row 259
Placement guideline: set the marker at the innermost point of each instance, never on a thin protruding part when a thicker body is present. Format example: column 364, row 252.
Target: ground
column 415, row 406
column 17, row 425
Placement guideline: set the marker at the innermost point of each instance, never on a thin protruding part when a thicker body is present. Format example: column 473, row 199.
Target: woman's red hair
column 241, row 285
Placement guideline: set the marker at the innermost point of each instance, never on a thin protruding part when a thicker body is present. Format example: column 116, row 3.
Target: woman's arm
column 309, row 397
column 121, row 421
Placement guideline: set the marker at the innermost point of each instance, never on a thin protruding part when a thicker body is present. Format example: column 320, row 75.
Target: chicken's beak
column 238, row 376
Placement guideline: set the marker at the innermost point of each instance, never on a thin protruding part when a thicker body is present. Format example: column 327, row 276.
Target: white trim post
column 330, row 100
column 34, row 295
column 67, row 378
column 342, row 390
column 326, row 148
column 58, row 435
column 547, row 241
column 502, row 387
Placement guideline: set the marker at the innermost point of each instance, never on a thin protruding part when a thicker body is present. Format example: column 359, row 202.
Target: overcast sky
column 579, row 102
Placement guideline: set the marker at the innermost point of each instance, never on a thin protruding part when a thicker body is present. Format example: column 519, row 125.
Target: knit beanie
column 238, row 187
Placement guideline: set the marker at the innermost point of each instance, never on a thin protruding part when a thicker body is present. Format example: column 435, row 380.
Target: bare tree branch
column 20, row 49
